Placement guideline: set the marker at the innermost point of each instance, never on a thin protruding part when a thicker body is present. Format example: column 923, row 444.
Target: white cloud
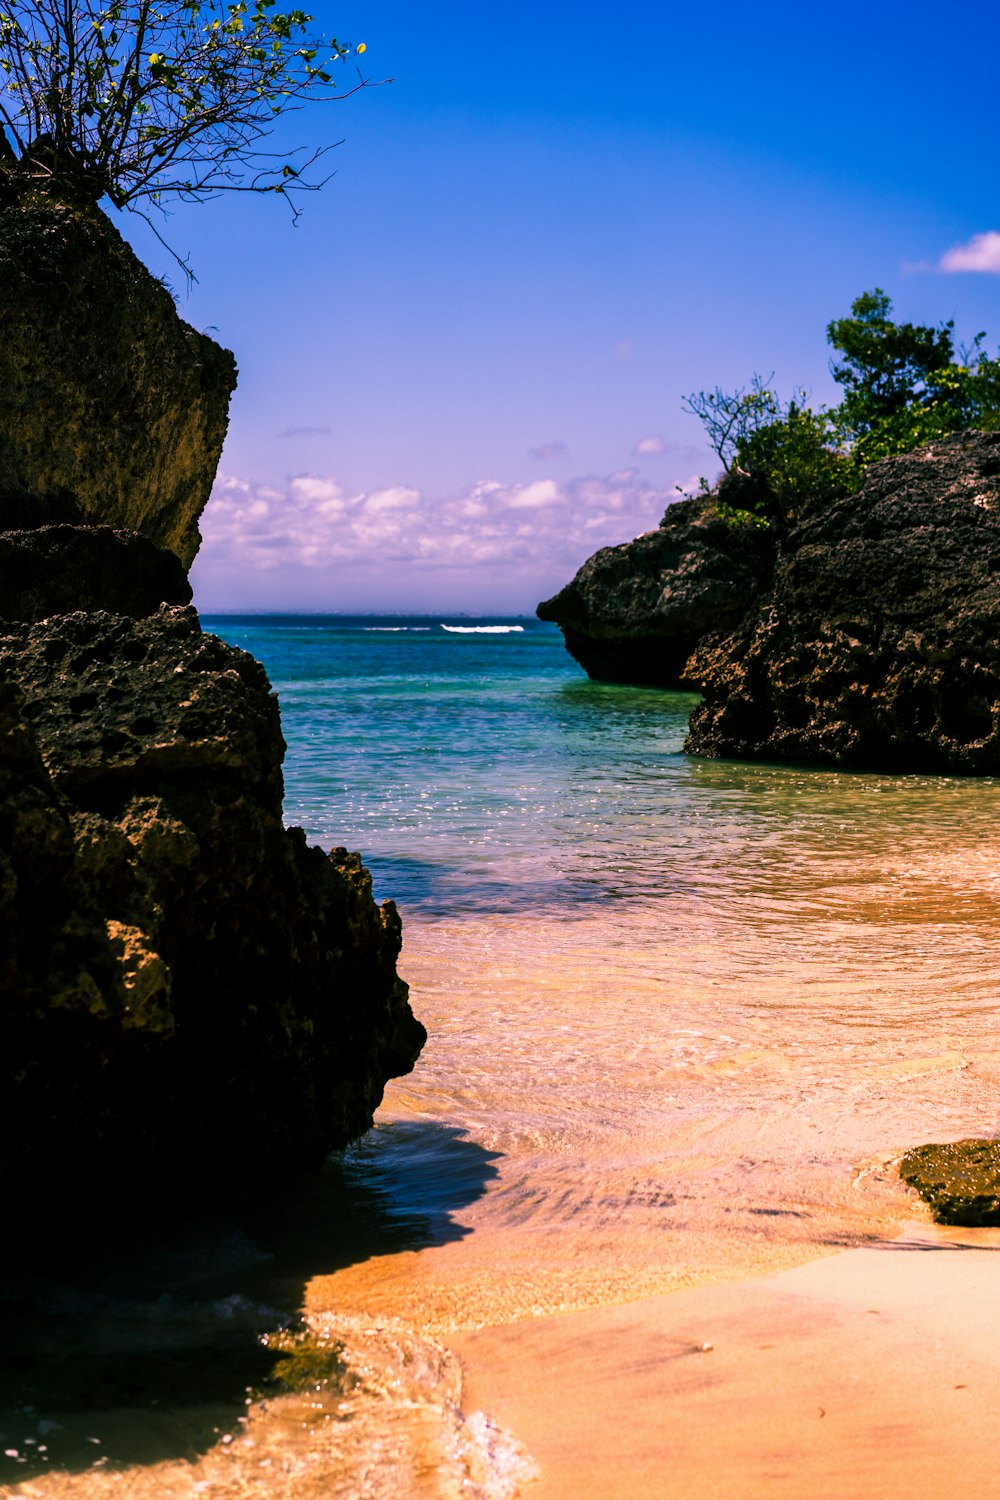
column 397, row 497
column 532, row 496
column 311, row 524
column 312, row 487
column 981, row 253
column 649, row 447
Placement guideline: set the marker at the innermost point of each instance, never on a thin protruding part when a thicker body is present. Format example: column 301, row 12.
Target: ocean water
column 684, row 1016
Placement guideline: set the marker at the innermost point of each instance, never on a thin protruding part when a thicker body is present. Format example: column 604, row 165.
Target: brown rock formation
column 186, row 989
column 634, row 613
column 188, row 993
column 877, row 644
column 112, row 410
column 865, row 636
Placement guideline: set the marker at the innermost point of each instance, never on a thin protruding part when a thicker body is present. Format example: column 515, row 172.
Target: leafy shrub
column 903, row 387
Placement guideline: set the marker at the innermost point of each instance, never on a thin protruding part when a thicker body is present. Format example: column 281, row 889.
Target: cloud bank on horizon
column 312, row 545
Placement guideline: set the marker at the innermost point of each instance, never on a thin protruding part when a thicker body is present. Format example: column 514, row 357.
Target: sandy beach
column 870, row 1374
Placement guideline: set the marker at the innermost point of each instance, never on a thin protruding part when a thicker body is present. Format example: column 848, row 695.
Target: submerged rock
column 634, row 613
column 960, row 1180
column 187, row 990
column 878, row 643
column 113, row 411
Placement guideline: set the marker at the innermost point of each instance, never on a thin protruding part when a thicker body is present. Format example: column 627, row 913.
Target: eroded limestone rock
column 634, row 613
column 867, row 636
column 188, row 992
column 113, row 411
column 878, row 643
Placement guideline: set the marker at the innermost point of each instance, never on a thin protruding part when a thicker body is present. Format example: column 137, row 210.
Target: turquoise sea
column 470, row 760
column 683, row 1015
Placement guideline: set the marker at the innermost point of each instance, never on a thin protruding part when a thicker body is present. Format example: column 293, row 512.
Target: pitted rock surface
column 878, row 645
column 112, row 699
column 188, row 992
column 634, row 613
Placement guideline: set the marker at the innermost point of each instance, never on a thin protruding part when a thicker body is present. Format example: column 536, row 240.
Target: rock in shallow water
column 960, row 1181
column 867, row 636
column 634, row 613
column 878, row 643
column 188, row 993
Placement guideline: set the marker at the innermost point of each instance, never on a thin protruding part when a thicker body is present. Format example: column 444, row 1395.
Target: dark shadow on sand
column 935, row 1245
column 141, row 1346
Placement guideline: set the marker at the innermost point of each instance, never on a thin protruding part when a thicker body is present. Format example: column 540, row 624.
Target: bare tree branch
column 729, row 417
column 144, row 100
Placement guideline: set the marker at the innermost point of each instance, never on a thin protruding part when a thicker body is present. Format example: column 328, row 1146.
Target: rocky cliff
column 187, row 988
column 188, row 992
column 634, row 613
column 112, row 410
column 878, row 643
column 867, row 636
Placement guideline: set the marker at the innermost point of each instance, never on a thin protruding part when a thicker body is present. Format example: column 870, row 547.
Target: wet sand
column 870, row 1374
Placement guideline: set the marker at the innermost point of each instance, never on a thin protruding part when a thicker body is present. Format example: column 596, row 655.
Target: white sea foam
column 482, row 629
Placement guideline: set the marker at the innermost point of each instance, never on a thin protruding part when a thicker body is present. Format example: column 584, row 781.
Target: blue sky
column 463, row 370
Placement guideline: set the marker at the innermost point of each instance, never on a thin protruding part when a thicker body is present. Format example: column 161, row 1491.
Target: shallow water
column 683, row 1014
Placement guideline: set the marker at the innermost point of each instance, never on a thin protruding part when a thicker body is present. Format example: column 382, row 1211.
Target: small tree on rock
column 142, row 100
column 903, row 387
column 884, row 365
column 779, row 457
column 903, row 384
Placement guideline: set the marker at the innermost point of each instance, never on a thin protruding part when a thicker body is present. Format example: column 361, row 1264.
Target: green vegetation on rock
column 138, row 100
column 904, row 385
column 306, row 1361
